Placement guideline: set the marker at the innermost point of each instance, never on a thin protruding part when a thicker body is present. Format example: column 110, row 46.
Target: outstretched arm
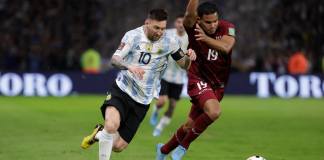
column 191, row 14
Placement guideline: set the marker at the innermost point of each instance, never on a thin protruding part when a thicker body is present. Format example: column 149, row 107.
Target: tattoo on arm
column 119, row 63
column 187, row 62
column 184, row 62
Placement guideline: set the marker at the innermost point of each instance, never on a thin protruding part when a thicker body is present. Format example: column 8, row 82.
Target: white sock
column 164, row 121
column 105, row 144
column 115, row 136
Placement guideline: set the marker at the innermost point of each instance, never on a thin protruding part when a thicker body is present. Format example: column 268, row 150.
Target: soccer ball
column 256, row 158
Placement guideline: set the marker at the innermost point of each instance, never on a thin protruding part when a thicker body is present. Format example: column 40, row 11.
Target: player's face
column 155, row 29
column 209, row 23
column 178, row 24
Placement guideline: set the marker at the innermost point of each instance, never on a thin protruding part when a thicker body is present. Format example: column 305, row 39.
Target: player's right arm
column 190, row 17
column 119, row 63
column 123, row 50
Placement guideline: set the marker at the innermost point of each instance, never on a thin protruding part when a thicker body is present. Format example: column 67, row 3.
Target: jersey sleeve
column 125, row 45
column 190, row 31
column 175, row 45
column 229, row 29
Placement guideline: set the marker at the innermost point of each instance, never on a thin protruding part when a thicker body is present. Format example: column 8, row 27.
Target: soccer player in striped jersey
column 142, row 58
column 172, row 81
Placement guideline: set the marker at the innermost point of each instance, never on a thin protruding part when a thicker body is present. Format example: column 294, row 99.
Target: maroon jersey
column 212, row 67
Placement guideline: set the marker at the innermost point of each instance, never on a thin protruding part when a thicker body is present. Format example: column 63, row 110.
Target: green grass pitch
column 52, row 128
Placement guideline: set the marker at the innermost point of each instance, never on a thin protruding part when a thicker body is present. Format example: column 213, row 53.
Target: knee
column 161, row 101
column 214, row 114
column 111, row 126
column 119, row 146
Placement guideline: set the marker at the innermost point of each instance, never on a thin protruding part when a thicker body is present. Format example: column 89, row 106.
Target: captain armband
column 179, row 54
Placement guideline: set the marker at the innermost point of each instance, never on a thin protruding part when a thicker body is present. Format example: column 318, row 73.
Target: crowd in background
column 52, row 35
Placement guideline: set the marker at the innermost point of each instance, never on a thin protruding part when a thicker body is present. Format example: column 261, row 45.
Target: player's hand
column 137, row 71
column 191, row 54
column 201, row 35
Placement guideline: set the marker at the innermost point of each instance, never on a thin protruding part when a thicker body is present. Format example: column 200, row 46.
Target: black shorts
column 172, row 90
column 132, row 113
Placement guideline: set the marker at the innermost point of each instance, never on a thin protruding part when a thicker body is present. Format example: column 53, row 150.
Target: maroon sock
column 200, row 124
column 174, row 141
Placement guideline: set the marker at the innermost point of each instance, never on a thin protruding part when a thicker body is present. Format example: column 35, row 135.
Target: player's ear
column 147, row 21
column 198, row 20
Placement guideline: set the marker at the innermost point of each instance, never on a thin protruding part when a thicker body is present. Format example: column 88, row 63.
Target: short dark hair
column 158, row 14
column 207, row 8
column 180, row 16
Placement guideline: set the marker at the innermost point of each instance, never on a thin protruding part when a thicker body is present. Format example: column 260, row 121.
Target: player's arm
column 117, row 60
column 184, row 59
column 190, row 17
column 225, row 44
column 119, row 63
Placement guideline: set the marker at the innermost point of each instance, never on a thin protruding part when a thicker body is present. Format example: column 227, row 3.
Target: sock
column 98, row 135
column 105, row 144
column 115, row 136
column 174, row 141
column 164, row 121
column 200, row 124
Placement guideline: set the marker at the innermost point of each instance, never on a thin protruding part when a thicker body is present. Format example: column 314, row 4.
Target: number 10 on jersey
column 144, row 58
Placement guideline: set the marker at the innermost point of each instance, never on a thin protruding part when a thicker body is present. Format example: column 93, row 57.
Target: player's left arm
column 225, row 44
column 184, row 59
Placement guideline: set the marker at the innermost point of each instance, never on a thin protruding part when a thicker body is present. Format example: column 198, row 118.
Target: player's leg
column 160, row 103
column 166, row 118
column 183, row 130
column 174, row 96
column 131, row 122
column 211, row 111
column 119, row 143
column 177, row 137
column 156, row 109
column 109, row 107
column 199, row 125
column 106, row 136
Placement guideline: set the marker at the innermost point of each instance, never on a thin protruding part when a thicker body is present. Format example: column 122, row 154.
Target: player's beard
column 151, row 35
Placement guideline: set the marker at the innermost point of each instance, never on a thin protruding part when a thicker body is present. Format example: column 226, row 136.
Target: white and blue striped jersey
column 174, row 73
column 136, row 49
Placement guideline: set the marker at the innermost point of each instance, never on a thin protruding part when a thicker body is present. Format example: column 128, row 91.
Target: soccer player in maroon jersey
column 213, row 40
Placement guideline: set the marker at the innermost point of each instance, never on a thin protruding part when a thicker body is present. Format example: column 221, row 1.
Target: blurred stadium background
column 50, row 98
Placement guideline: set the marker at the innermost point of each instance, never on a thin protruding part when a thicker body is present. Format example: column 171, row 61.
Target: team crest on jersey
column 121, row 46
column 148, row 47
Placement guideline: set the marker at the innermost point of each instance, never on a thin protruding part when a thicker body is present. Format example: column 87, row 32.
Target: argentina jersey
column 136, row 49
column 174, row 73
